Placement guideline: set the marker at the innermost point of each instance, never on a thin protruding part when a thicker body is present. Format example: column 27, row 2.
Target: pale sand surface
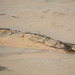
column 55, row 18
column 37, row 63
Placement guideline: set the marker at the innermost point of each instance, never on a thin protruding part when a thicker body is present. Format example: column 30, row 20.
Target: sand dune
column 15, row 38
column 37, row 37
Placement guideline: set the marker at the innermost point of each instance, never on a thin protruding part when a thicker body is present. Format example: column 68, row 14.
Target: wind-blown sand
column 37, row 37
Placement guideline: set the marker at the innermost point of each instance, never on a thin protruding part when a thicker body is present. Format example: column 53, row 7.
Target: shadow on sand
column 2, row 68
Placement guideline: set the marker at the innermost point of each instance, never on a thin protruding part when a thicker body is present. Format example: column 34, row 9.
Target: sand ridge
column 37, row 37
column 16, row 38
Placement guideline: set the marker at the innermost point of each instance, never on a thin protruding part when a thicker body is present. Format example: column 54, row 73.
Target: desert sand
column 37, row 37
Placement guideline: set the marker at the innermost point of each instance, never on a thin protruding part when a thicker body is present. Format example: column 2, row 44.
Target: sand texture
column 34, row 51
column 15, row 38
column 37, row 37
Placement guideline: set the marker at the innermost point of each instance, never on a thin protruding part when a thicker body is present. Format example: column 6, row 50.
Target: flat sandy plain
column 54, row 18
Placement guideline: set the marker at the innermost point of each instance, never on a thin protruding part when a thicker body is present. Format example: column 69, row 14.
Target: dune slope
column 15, row 38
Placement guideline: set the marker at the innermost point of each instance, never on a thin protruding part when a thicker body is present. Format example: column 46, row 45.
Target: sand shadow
column 14, row 16
column 2, row 68
column 2, row 14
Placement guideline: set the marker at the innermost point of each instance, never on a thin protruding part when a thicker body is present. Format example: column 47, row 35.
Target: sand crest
column 15, row 38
